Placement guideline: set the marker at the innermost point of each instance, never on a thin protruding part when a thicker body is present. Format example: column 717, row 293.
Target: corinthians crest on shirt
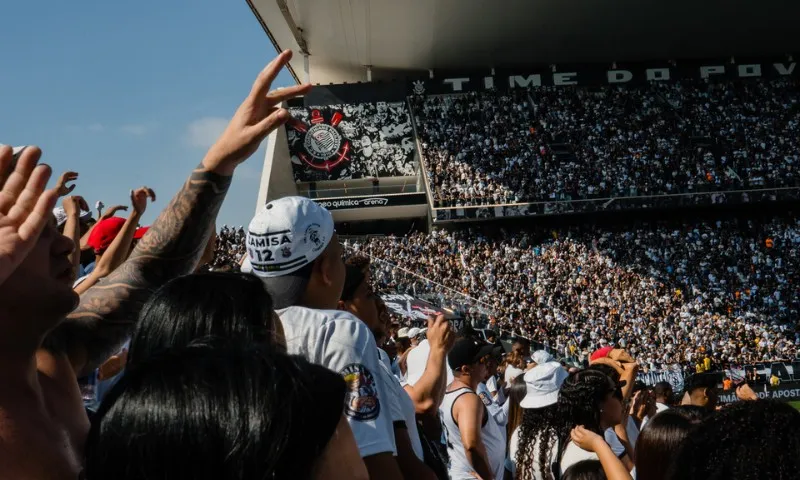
column 324, row 148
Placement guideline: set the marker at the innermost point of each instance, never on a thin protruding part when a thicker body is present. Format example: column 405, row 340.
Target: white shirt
column 572, row 455
column 401, row 406
column 341, row 342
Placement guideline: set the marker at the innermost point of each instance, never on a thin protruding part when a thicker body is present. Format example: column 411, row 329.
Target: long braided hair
column 578, row 403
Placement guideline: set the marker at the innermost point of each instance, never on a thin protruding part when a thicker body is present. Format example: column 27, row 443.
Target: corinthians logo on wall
column 323, row 144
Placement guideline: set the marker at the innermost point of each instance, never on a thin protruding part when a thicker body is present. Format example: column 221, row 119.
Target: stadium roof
column 400, row 38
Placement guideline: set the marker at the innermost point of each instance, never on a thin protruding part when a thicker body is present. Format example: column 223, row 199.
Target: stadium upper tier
column 548, row 149
column 553, row 144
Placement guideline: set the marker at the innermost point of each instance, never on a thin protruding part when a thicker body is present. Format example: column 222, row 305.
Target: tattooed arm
column 177, row 239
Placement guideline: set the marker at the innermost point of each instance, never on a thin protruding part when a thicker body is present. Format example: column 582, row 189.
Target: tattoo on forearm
column 172, row 247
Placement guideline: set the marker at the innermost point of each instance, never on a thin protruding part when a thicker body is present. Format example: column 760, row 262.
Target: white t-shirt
column 572, row 455
column 341, row 342
column 660, row 407
column 401, row 406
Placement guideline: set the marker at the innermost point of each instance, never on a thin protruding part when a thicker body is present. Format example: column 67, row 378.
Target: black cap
column 468, row 351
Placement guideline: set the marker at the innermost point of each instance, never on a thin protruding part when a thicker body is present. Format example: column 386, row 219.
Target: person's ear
column 325, row 265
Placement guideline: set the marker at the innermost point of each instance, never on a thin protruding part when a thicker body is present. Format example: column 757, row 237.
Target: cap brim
column 286, row 290
column 484, row 351
column 539, row 401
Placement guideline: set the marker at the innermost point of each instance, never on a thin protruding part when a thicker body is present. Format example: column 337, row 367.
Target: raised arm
column 428, row 392
column 118, row 251
column 176, row 240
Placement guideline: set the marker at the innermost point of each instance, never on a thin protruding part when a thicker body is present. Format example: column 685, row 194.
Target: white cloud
column 134, row 129
column 203, row 132
column 96, row 127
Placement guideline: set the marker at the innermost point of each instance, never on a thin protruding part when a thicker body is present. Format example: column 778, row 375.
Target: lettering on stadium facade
column 589, row 76
column 343, row 203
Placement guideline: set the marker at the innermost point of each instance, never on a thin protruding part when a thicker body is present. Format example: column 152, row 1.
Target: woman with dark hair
column 211, row 412
column 658, row 443
column 227, row 305
column 543, row 448
column 747, row 440
column 516, row 393
column 585, row 470
column 231, row 306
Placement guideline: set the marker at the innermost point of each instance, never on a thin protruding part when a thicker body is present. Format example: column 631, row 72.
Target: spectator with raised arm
column 42, row 352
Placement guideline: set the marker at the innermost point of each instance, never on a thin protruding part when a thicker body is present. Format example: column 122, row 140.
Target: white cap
column 540, row 356
column 402, row 333
column 542, row 384
column 415, row 332
column 286, row 235
column 512, row 372
column 61, row 215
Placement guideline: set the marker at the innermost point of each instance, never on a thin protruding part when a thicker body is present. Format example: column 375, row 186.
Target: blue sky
column 131, row 93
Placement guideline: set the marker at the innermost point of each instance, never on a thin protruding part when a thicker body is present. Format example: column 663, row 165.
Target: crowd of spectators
column 670, row 293
column 568, row 143
column 230, row 249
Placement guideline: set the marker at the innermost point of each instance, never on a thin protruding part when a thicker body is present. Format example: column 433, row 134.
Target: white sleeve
column 349, row 348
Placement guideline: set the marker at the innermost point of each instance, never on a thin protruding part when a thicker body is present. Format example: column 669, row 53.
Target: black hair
column 516, row 392
column 539, row 426
column 232, row 306
column 579, row 401
column 210, row 412
column 701, row 380
column 659, row 441
column 608, row 370
column 586, row 470
column 522, row 341
column 746, row 441
column 663, row 389
column 693, row 412
column 354, row 276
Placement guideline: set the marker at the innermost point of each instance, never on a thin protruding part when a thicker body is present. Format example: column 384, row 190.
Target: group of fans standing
column 275, row 371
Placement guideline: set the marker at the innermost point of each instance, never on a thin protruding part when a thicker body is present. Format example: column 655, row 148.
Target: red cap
column 106, row 231
column 601, row 353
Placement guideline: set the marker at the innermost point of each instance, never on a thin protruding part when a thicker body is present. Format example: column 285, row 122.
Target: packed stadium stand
column 577, row 143
column 501, row 155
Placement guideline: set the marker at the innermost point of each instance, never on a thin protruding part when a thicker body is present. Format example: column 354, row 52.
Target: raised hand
column 255, row 118
column 25, row 206
column 62, row 187
column 112, row 211
column 440, row 335
column 586, row 439
column 74, row 205
column 139, row 199
column 745, row 392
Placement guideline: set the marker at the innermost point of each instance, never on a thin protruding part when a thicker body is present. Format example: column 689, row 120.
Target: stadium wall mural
column 339, row 142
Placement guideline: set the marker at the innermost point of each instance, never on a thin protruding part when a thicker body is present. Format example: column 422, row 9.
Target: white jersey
column 491, row 436
column 494, row 408
column 401, row 406
column 341, row 342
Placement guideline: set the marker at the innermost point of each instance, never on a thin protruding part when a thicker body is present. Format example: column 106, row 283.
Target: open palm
column 25, row 206
column 258, row 115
